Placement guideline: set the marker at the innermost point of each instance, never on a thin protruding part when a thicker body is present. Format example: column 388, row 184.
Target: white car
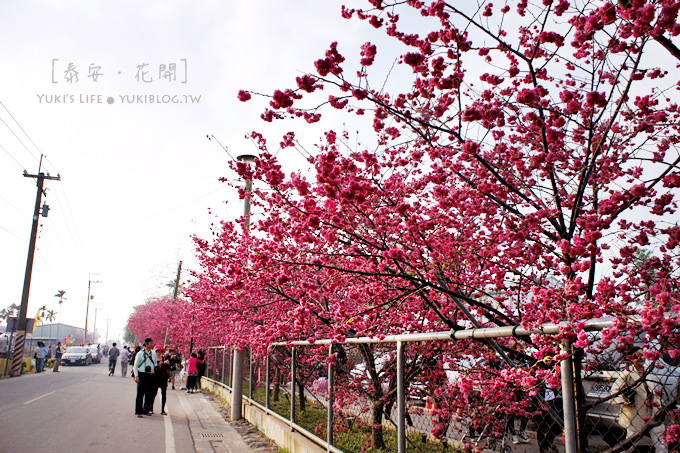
column 96, row 355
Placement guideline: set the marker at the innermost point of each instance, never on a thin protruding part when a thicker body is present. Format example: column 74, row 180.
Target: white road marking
column 41, row 396
column 169, row 435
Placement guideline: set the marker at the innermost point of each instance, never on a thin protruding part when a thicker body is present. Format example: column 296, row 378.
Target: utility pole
column 21, row 321
column 174, row 298
column 179, row 272
column 237, row 369
column 87, row 307
column 94, row 330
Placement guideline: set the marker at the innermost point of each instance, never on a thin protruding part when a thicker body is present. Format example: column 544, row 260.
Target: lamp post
column 237, row 370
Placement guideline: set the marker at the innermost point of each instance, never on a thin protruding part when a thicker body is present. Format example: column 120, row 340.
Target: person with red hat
column 162, row 375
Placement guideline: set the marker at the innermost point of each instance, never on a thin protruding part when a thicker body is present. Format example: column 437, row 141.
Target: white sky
column 137, row 179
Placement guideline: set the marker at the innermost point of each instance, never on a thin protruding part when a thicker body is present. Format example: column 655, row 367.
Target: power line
column 22, row 130
column 51, row 164
column 159, row 213
column 67, row 250
column 15, row 235
column 13, row 158
column 18, row 210
column 19, row 140
column 76, row 239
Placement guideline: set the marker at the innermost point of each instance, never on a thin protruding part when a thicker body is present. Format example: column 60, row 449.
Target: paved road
column 82, row 409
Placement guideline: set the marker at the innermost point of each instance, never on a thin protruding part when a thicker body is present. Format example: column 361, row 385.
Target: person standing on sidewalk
column 201, row 366
column 113, row 356
column 57, row 358
column 162, row 375
column 192, row 373
column 143, row 369
column 40, row 354
column 124, row 359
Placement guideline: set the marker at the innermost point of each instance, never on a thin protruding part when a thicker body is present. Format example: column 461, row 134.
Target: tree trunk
column 277, row 383
column 376, row 430
column 301, row 395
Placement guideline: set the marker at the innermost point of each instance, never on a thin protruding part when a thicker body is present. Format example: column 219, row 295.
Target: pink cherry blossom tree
column 166, row 318
column 518, row 177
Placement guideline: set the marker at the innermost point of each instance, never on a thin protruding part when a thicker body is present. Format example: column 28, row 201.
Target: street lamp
column 237, row 369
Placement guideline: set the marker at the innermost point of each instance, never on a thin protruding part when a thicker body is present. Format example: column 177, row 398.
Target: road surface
column 82, row 409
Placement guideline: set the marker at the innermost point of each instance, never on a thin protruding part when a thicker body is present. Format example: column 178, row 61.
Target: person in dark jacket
column 201, row 365
column 113, row 356
column 162, row 376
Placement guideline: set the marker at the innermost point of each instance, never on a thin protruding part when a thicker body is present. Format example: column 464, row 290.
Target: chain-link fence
column 426, row 393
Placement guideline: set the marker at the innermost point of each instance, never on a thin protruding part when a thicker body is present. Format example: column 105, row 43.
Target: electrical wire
column 19, row 140
column 22, row 130
column 15, row 235
column 17, row 209
column 69, row 221
column 159, row 213
column 13, row 158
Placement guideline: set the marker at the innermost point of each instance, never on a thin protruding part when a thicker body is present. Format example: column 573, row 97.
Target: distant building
column 51, row 333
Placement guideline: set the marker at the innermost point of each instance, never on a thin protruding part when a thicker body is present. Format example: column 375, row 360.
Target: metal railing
column 391, row 392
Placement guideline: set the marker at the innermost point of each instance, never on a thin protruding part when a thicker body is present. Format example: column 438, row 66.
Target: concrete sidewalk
column 209, row 429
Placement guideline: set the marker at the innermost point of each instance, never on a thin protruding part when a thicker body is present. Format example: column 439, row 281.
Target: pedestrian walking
column 175, row 361
column 57, row 358
column 143, row 369
column 113, row 356
column 124, row 360
column 162, row 376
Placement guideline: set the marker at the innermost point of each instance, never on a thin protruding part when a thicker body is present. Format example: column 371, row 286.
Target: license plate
column 602, row 387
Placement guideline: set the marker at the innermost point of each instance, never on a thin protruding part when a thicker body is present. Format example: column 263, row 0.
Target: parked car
column 95, row 353
column 76, row 355
column 604, row 416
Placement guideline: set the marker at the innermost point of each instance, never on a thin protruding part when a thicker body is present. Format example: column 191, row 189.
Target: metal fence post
column 207, row 364
column 401, row 400
column 250, row 376
column 567, row 371
column 331, row 379
column 266, row 395
column 292, row 386
column 231, row 368
column 224, row 365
